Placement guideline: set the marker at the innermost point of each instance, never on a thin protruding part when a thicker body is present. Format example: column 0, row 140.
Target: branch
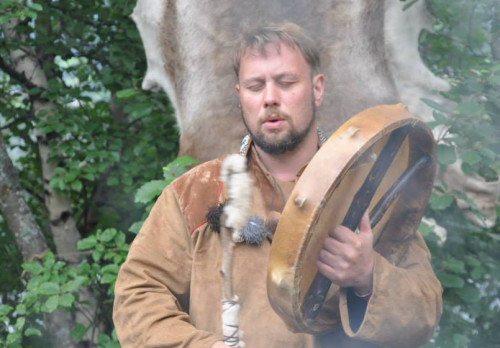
column 21, row 78
column 17, row 120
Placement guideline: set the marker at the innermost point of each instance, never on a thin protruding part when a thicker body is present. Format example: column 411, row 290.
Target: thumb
column 364, row 224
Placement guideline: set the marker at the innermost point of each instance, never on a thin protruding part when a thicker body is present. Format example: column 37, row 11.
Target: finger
column 333, row 260
column 364, row 224
column 335, row 273
column 332, row 245
column 342, row 234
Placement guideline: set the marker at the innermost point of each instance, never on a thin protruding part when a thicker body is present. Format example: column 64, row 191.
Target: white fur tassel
column 239, row 184
column 234, row 217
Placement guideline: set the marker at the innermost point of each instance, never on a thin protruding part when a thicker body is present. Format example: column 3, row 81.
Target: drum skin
column 323, row 194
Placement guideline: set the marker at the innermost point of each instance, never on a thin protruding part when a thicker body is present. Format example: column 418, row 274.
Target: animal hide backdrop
column 369, row 52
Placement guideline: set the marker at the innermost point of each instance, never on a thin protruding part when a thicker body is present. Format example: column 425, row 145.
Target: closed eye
column 255, row 87
column 286, row 83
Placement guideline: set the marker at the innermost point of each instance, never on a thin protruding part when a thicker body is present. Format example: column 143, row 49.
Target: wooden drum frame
column 383, row 160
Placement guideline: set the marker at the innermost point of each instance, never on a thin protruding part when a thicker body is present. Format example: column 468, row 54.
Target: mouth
column 273, row 122
column 274, row 119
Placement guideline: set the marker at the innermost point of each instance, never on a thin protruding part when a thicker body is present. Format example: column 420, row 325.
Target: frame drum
column 353, row 171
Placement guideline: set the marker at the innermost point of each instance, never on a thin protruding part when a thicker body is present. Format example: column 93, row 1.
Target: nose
column 271, row 96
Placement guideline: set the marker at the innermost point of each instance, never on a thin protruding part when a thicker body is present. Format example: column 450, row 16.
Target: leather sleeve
column 406, row 303
column 152, row 289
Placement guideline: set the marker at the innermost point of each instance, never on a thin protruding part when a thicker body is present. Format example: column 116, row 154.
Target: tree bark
column 62, row 223
column 29, row 239
column 495, row 33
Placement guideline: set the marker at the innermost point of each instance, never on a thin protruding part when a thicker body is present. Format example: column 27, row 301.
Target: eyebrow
column 285, row 76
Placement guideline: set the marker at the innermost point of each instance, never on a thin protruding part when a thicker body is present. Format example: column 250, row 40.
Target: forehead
column 273, row 59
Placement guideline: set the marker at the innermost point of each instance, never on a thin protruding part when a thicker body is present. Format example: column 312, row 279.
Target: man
column 168, row 291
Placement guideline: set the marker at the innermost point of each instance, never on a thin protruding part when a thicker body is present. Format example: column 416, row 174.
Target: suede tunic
column 168, row 292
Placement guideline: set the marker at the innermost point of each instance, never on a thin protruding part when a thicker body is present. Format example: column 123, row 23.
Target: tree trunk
column 29, row 239
column 495, row 33
column 62, row 223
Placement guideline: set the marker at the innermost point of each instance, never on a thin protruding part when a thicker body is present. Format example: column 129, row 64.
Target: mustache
column 274, row 112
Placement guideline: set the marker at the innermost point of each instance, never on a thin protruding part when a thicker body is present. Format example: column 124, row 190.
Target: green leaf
column 49, row 288
column 13, row 339
column 108, row 278
column 52, row 303
column 32, row 332
column 472, row 261
column 112, row 181
column 32, row 267
column 435, row 105
column 20, row 323
column 79, row 331
column 74, row 284
column 440, row 202
column 469, row 108
column 5, row 18
column 96, row 255
column 49, row 260
column 477, row 273
column 409, row 4
column 460, row 340
column 5, row 310
column 71, row 175
column 178, row 167
column 111, row 268
column 87, row 243
column 470, row 157
column 66, row 300
column 446, row 154
column 103, row 339
column 469, row 294
column 424, row 229
column 136, row 227
column 83, row 267
column 107, row 235
column 126, row 93
column 487, row 153
column 140, row 110
column 89, row 176
column 454, row 265
column 450, row 280
column 147, row 192
column 36, row 7
column 21, row 309
column 76, row 185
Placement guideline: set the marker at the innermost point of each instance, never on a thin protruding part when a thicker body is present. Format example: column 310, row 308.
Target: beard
column 289, row 142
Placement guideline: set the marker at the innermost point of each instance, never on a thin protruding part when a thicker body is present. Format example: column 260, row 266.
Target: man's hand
column 219, row 344
column 347, row 258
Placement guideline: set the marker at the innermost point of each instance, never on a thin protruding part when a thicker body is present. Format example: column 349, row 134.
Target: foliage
column 148, row 192
column 460, row 48
column 106, row 135
column 53, row 285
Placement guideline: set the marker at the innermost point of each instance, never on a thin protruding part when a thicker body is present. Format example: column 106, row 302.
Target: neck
column 286, row 166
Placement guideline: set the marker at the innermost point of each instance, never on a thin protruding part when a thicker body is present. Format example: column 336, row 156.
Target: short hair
column 289, row 33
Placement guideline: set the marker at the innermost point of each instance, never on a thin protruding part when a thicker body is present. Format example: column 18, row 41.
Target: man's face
column 278, row 97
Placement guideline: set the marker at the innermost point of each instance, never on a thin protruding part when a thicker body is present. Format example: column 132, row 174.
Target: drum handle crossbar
column 320, row 285
column 389, row 197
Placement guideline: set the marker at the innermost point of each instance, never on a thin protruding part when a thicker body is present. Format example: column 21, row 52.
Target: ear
column 318, row 88
column 237, row 88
